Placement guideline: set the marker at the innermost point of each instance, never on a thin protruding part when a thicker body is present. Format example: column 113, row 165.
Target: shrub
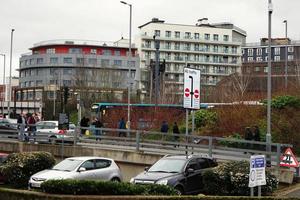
column 281, row 102
column 205, row 118
column 20, row 166
column 90, row 187
column 235, row 136
column 232, row 178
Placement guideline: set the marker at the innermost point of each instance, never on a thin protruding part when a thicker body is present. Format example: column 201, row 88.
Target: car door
column 89, row 172
column 203, row 164
column 103, row 170
column 192, row 178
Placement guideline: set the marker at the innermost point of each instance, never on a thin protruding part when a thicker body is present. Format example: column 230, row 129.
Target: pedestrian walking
column 97, row 123
column 248, row 136
column 176, row 131
column 122, row 125
column 21, row 127
column 164, row 129
column 256, row 136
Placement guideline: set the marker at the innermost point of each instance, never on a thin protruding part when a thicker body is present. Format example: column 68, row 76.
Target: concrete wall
column 130, row 162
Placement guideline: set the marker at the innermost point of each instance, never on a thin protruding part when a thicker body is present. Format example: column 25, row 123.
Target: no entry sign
column 191, row 98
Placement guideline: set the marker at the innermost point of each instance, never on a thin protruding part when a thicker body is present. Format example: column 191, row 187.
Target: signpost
column 257, row 175
column 191, row 96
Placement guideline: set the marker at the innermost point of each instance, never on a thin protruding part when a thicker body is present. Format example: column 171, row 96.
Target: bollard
column 210, row 146
column 137, row 139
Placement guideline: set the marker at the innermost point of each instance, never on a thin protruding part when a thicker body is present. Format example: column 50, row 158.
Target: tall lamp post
column 129, row 60
column 4, row 90
column 10, row 63
column 268, row 135
column 286, row 58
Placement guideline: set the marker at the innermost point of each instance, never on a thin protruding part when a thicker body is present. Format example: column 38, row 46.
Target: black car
column 184, row 173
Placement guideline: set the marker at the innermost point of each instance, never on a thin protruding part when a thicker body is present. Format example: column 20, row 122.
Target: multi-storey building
column 255, row 63
column 215, row 49
column 77, row 64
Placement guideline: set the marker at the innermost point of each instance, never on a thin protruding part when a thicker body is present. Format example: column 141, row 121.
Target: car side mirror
column 190, row 171
column 146, row 169
column 81, row 169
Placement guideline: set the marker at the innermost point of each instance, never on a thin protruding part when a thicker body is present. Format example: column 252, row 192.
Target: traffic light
column 66, row 94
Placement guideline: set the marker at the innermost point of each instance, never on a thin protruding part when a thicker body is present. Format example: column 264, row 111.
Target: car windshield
column 67, row 165
column 168, row 166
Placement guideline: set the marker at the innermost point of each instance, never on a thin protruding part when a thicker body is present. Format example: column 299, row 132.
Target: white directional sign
column 257, row 174
column 191, row 98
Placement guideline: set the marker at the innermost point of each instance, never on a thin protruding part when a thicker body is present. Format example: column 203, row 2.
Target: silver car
column 87, row 168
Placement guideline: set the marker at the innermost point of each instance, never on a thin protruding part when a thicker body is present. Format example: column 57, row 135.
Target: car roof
column 51, row 121
column 88, row 158
column 184, row 157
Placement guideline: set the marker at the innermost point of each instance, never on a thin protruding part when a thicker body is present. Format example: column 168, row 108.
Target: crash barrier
column 149, row 141
column 13, row 194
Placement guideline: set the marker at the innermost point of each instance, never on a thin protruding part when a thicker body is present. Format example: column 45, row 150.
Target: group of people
column 27, row 121
column 252, row 133
column 165, row 128
column 96, row 123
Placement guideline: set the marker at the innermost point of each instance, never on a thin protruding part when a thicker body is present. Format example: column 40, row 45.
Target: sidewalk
column 289, row 191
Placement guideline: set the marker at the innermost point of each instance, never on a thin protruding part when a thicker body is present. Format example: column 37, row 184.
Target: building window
column 250, row 59
column 259, row 51
column 196, row 47
column 157, row 33
column 290, row 49
column 257, row 69
column 148, row 44
column 215, row 48
column 67, row 60
column 118, row 62
column 53, row 72
column 277, row 51
column 266, row 58
column 187, row 35
column 265, row 69
column 290, row 57
column 226, row 38
column 75, row 50
column 39, row 83
column 216, row 37
column 39, row 61
column 187, row 46
column 243, row 52
column 266, row 50
column 93, row 51
column 177, row 34
column 67, row 72
column 250, row 52
column 107, row 52
column 168, row 45
column 168, row 56
column 168, row 34
column 206, row 48
column 104, row 62
column 50, row 51
column 54, row 60
column 117, row 53
column 67, row 82
column 177, row 46
column 234, row 50
column 196, row 36
column 207, row 36
column 92, row 61
column 276, row 58
column 226, row 49
column 259, row 59
column 79, row 60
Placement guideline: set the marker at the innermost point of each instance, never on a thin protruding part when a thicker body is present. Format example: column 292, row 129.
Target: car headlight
column 162, row 182
column 131, row 180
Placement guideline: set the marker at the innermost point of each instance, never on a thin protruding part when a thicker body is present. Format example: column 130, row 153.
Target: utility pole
column 156, row 45
column 9, row 87
column 286, row 58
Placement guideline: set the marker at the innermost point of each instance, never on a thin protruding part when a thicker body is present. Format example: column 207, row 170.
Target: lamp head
column 123, row 2
column 285, row 21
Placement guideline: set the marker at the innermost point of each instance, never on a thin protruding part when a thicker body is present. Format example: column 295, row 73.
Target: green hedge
column 31, row 195
column 20, row 166
column 90, row 187
column 232, row 179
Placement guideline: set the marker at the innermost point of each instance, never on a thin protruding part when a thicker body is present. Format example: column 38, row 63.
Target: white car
column 50, row 128
column 87, row 168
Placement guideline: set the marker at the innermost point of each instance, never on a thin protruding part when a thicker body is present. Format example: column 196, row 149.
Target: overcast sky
column 107, row 20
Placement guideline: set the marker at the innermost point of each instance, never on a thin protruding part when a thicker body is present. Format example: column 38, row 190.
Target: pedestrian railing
column 149, row 141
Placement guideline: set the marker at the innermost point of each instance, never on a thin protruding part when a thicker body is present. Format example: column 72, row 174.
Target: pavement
column 292, row 191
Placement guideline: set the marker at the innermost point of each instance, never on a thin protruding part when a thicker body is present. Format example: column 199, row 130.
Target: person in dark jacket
column 122, row 125
column 97, row 123
column 164, row 127
column 248, row 136
column 176, row 131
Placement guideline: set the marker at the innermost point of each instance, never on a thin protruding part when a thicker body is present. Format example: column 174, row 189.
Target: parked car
column 182, row 172
column 8, row 126
column 91, row 168
column 50, row 128
column 3, row 157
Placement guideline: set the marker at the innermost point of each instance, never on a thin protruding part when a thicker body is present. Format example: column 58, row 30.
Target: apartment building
column 215, row 49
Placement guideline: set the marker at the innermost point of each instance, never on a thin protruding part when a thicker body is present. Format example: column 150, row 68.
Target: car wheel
column 115, row 179
column 179, row 190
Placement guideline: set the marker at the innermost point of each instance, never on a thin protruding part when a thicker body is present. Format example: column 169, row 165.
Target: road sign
column 289, row 159
column 257, row 175
column 191, row 98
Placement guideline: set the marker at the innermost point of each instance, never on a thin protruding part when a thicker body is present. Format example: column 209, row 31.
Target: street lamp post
column 4, row 88
column 129, row 60
column 10, row 63
column 286, row 58
column 268, row 135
